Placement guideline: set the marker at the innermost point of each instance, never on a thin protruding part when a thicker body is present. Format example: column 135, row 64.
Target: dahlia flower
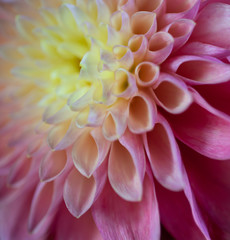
column 115, row 119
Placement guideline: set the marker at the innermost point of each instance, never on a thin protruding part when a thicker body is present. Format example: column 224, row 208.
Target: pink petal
column 204, row 129
column 125, row 84
column 19, row 171
column 176, row 215
column 179, row 9
column 199, row 48
column 115, row 122
column 80, row 192
column 147, row 74
column 142, row 113
column 52, row 165
column 44, row 205
column 216, row 95
column 144, row 23
column 138, row 45
column 127, row 166
column 89, row 151
column 172, row 94
column 160, row 47
column 199, row 70
column 120, row 219
column 68, row 227
column 180, row 30
column 211, row 190
column 218, row 32
column 166, row 164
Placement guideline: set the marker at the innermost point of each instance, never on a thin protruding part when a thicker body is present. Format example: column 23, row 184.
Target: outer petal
column 164, row 155
column 80, row 192
column 199, row 70
column 176, row 215
column 127, row 167
column 218, row 32
column 120, row 219
column 68, row 227
column 204, row 129
column 211, row 190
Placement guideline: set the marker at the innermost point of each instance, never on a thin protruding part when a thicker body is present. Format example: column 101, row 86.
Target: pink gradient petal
column 172, row 94
column 68, row 227
column 80, row 192
column 211, row 189
column 142, row 113
column 179, row 9
column 144, row 23
column 216, row 95
column 204, row 129
column 164, row 155
column 115, row 122
column 181, row 31
column 199, row 70
column 199, row 48
column 15, row 228
column 52, row 165
column 44, row 205
column 147, row 74
column 176, row 215
column 159, row 48
column 119, row 219
column 138, row 45
column 127, row 166
column 87, row 161
column 19, row 171
column 217, row 33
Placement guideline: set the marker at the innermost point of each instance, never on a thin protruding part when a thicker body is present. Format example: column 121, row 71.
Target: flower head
column 115, row 113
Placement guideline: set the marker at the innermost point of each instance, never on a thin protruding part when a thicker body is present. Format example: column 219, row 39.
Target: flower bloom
column 115, row 119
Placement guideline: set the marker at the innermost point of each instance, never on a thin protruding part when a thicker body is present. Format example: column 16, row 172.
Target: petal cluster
column 114, row 112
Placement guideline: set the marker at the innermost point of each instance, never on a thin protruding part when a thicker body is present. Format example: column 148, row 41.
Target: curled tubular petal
column 172, row 94
column 126, row 167
column 144, row 23
column 142, row 113
column 147, row 74
column 115, row 121
column 125, row 84
column 160, row 47
column 181, row 30
column 138, row 45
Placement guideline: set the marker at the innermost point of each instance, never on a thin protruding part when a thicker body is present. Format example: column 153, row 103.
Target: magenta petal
column 176, row 215
column 199, row 70
column 120, row 219
column 217, row 95
column 204, row 129
column 212, row 190
column 218, row 32
column 200, row 48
